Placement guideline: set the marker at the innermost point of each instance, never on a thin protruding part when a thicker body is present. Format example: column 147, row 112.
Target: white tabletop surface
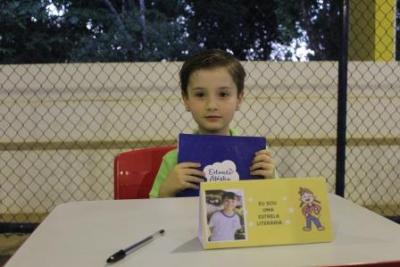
column 87, row 233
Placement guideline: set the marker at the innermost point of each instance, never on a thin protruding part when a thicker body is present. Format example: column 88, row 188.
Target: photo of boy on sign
column 225, row 215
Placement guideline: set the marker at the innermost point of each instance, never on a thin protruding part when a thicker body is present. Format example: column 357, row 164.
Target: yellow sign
column 264, row 212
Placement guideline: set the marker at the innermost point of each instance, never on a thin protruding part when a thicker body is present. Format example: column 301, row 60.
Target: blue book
column 222, row 158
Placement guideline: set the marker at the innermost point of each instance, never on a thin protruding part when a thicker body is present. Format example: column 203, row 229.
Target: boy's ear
column 185, row 102
column 240, row 100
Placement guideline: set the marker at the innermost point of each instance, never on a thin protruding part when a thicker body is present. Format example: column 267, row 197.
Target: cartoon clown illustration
column 310, row 208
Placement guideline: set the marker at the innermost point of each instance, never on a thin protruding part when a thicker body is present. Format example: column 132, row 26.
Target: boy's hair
column 228, row 195
column 209, row 59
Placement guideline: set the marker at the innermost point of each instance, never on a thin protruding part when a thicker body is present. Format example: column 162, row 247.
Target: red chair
column 135, row 170
column 373, row 264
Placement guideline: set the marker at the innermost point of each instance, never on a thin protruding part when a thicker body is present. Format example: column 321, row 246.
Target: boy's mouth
column 212, row 118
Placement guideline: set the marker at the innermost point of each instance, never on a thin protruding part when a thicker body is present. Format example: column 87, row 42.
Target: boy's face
column 212, row 98
column 229, row 204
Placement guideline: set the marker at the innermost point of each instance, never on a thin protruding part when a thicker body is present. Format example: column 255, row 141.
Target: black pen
column 119, row 255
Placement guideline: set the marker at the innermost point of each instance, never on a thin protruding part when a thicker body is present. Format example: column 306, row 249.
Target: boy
column 224, row 223
column 212, row 84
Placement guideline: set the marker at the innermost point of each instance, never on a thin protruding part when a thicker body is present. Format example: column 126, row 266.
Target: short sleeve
column 212, row 219
column 169, row 161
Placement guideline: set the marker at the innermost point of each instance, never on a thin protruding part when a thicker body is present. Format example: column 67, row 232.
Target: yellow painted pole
column 372, row 30
column 385, row 30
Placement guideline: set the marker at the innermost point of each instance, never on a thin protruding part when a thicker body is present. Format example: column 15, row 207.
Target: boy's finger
column 194, row 172
column 264, row 151
column 190, row 185
column 262, row 158
column 262, row 166
column 194, row 179
column 190, row 164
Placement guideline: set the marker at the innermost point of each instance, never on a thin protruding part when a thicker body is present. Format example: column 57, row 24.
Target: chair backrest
column 135, row 170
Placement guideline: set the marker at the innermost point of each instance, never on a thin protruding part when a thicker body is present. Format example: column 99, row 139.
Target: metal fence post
column 342, row 102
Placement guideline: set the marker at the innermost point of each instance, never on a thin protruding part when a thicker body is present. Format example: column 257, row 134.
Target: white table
column 86, row 233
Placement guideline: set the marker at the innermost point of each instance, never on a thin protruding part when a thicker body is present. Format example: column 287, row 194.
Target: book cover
column 264, row 212
column 222, row 158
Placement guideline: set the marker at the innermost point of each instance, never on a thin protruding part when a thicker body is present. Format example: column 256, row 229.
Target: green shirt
column 169, row 161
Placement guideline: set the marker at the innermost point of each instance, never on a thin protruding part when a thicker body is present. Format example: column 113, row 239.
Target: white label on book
column 221, row 171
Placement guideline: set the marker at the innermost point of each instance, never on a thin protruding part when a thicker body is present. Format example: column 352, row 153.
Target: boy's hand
column 263, row 164
column 184, row 175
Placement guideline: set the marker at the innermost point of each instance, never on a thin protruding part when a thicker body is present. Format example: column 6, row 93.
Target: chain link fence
column 62, row 125
column 373, row 118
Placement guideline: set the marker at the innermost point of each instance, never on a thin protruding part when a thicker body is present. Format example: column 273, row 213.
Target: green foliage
column 244, row 27
column 125, row 30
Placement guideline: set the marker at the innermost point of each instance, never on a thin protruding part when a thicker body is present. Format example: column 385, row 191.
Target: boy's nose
column 211, row 104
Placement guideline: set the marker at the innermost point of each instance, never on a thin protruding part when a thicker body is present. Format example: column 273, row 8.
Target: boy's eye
column 223, row 94
column 199, row 94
